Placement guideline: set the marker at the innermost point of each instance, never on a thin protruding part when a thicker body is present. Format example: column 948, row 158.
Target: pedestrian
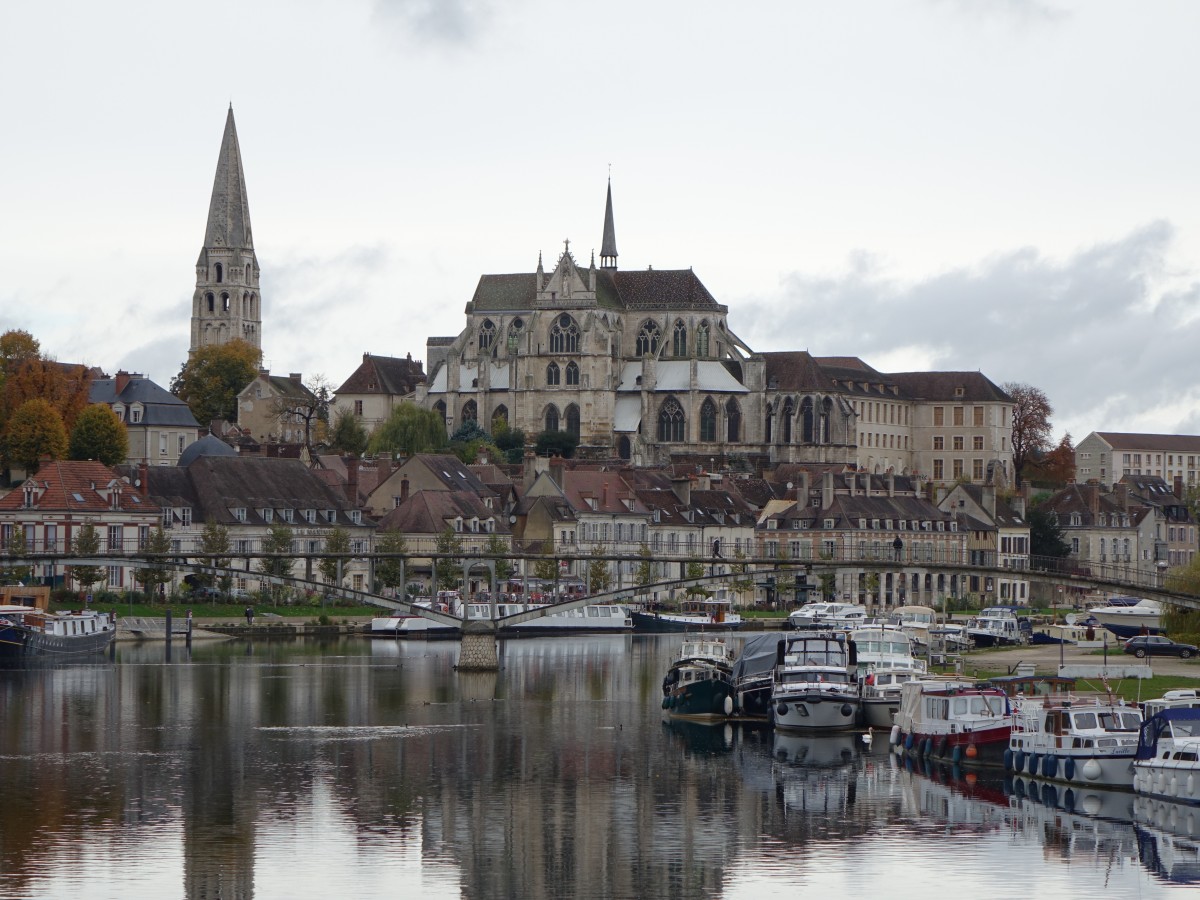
column 249, row 615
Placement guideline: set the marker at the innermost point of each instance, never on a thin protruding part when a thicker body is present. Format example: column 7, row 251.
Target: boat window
column 961, row 706
column 1085, row 721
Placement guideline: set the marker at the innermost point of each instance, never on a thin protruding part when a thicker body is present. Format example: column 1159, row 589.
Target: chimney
column 682, row 488
column 852, row 482
column 352, row 480
column 403, row 488
column 1122, row 492
column 989, row 500
column 604, row 496
column 802, row 487
column 295, row 377
column 144, row 479
column 1093, row 498
column 1018, row 505
column 529, row 468
column 1178, row 489
column 122, row 382
column 891, row 484
column 866, row 484
column 827, row 490
column 557, row 470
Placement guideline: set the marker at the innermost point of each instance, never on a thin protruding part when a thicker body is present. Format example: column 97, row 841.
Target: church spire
column 608, row 245
column 226, row 305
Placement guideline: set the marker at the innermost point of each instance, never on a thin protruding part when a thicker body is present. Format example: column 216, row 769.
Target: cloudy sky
column 1002, row 185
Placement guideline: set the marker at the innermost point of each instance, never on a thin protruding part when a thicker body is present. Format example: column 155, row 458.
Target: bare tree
column 1030, row 424
column 308, row 406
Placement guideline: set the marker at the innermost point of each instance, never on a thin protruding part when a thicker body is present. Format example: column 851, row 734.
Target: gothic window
column 826, row 414
column 245, row 305
column 733, row 421
column 573, row 419
column 487, row 335
column 702, row 339
column 499, row 416
column 220, row 273
column 253, row 306
column 648, row 338
column 708, row 420
column 551, row 418
column 806, row 421
column 470, row 411
column 572, row 373
column 224, row 303
column 679, row 345
column 212, row 301
column 515, row 329
column 553, row 375
column 623, row 449
column 671, row 421
column 787, row 421
column 247, row 273
column 564, row 335
column 440, row 409
column 770, row 422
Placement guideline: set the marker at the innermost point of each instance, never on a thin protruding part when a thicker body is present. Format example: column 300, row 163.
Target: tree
column 556, row 443
column 448, row 570
column 743, row 580
column 99, row 434
column 599, row 577
column 695, row 569
column 828, row 582
column 156, row 572
column 496, row 547
column 310, row 406
column 214, row 544
column 389, row 573
column 1056, row 468
column 1046, row 536
column 86, row 544
column 510, row 441
column 644, row 573
column 338, row 541
column 16, row 547
column 16, row 346
column 469, row 430
column 1030, row 424
column 65, row 388
column 35, row 430
column 408, row 430
column 278, row 564
column 546, row 567
column 470, row 452
column 348, row 434
column 211, row 379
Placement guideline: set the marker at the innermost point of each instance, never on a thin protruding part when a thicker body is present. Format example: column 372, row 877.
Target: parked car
column 239, row 594
column 1156, row 645
column 206, row 593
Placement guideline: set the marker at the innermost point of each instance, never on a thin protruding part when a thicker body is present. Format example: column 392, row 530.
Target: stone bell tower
column 227, row 304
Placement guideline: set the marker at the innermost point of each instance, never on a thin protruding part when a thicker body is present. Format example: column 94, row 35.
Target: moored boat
column 1183, row 698
column 699, row 684
column 813, row 687
column 28, row 631
column 885, row 662
column 953, row 719
column 998, row 626
column 1168, row 756
column 753, row 676
column 827, row 615
column 713, row 613
column 1129, row 616
column 1074, row 740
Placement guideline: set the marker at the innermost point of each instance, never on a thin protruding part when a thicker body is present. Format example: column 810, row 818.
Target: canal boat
column 885, row 662
column 813, row 686
column 698, row 613
column 699, row 684
column 1168, row 756
column 1129, row 616
column 1076, row 740
column 956, row 720
column 1183, row 698
column 28, row 631
column 999, row 626
column 754, row 674
column 826, row 616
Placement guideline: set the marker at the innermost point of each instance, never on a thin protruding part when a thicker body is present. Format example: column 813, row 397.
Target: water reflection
column 372, row 768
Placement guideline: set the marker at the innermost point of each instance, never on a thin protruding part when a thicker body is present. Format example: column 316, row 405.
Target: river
column 359, row 768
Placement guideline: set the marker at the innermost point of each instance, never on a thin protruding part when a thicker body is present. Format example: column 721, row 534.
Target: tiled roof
column 384, row 375
column 949, row 387
column 1177, row 443
column 427, row 512
column 77, row 486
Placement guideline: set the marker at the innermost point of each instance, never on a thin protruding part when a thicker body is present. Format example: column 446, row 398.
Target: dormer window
column 288, row 515
column 474, row 525
column 310, row 516
column 119, row 409
column 185, row 516
column 862, row 523
column 135, row 415
column 30, row 496
column 239, row 513
column 954, row 526
column 458, row 524
column 829, row 523
column 331, row 516
column 356, row 517
column 875, row 524
column 1076, row 519
column 268, row 516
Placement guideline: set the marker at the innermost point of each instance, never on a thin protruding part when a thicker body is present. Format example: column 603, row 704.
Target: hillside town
column 584, row 412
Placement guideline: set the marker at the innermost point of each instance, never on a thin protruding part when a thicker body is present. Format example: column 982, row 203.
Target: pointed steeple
column 608, row 244
column 227, row 305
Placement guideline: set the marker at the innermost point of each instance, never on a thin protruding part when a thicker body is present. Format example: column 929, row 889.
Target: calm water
column 363, row 768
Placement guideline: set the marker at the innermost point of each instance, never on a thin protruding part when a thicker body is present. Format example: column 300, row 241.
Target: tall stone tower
column 227, row 304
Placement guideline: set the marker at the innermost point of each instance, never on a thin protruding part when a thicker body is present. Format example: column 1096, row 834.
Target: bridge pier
column 477, row 652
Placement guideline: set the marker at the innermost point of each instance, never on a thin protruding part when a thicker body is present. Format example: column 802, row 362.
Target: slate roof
column 942, row 386
column 1176, row 443
column 159, row 406
column 384, row 375
column 427, row 512
column 209, row 445
column 77, row 487
column 650, row 289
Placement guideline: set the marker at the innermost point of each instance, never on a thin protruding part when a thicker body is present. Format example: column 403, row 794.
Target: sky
column 997, row 185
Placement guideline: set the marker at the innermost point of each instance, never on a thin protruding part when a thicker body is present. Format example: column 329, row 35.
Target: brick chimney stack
column 295, row 377
column 352, row 480
column 121, row 382
column 144, row 479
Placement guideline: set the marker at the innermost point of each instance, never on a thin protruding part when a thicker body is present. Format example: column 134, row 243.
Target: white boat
column 28, row 631
column 813, row 687
column 1074, row 633
column 1168, row 756
column 953, row 719
column 1128, row 616
column 1185, row 698
column 885, row 662
column 699, row 684
column 702, row 613
column 916, row 621
column 827, row 615
column 997, row 626
column 1076, row 740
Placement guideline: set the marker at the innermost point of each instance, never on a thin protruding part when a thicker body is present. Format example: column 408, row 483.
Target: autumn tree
column 155, row 572
column 599, row 575
column 86, row 544
column 1030, row 425
column 64, row 387
column 211, row 379
column 35, row 430
column 16, row 346
column 497, row 547
column 389, row 572
column 337, row 541
column 348, row 434
column 408, row 430
column 1056, row 468
column 215, row 545
column 99, row 434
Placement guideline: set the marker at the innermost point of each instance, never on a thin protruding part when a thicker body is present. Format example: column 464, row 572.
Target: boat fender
column 1050, row 794
column 781, row 709
column 956, row 754
column 1091, row 770
column 1069, row 800
column 1034, row 763
column 908, row 741
column 1050, row 766
column 972, row 752
column 1069, row 768
column 1191, row 787
column 728, row 705
column 928, row 747
column 942, row 748
column 894, row 735
column 847, row 709
column 1008, row 760
column 1019, row 761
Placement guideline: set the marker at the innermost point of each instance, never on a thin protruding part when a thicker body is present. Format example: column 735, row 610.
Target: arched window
column 671, row 421
column 553, row 375
column 787, row 421
column 440, row 409
column 623, row 449
column 572, row 373
column 708, row 420
column 500, row 415
column 806, row 421
column 212, row 301
column 470, row 411
column 224, row 303
column 515, row 329
column 826, row 413
column 220, row 273
column 247, row 273
column 679, row 342
column 733, row 421
column 702, row 339
column 573, row 419
column 564, row 335
column 245, row 305
column 770, row 422
column 487, row 335
column 552, row 418
column 648, row 338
